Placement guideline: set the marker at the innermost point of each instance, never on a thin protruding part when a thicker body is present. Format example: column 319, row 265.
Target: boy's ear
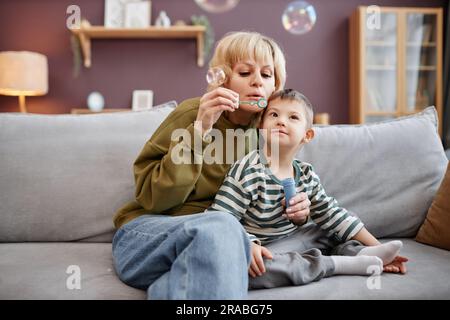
column 309, row 135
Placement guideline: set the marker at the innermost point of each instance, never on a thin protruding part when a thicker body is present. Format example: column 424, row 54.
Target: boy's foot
column 386, row 251
column 357, row 265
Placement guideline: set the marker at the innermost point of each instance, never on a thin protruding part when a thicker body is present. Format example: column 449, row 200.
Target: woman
column 162, row 244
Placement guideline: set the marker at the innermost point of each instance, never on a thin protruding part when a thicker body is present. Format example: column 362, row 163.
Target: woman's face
column 252, row 81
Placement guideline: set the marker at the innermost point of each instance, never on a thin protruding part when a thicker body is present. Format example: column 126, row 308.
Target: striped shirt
column 253, row 194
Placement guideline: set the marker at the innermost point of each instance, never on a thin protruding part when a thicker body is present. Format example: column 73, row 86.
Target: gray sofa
column 62, row 177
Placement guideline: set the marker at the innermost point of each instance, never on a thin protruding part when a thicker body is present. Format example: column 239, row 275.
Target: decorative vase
column 95, row 101
column 163, row 20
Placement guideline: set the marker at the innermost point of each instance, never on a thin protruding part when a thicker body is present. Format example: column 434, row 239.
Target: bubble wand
column 216, row 77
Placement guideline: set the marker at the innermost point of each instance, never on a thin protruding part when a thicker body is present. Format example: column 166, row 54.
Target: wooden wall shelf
column 86, row 33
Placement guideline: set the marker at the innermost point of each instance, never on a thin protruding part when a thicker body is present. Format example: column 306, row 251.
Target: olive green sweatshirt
column 170, row 188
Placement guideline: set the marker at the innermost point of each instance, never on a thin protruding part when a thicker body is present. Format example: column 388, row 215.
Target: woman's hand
column 257, row 267
column 298, row 210
column 212, row 104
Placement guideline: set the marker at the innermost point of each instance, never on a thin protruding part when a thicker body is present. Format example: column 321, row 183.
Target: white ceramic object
column 95, row 101
column 163, row 20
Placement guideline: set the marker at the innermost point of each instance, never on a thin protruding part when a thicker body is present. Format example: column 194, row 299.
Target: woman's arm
column 161, row 182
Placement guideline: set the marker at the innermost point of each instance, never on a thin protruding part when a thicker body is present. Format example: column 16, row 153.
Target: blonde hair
column 239, row 46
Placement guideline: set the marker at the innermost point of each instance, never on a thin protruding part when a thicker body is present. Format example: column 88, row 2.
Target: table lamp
column 23, row 73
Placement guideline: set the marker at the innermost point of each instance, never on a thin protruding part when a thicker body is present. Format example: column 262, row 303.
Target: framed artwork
column 142, row 100
column 137, row 14
column 115, row 13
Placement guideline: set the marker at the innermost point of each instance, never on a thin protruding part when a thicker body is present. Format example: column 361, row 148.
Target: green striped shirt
column 252, row 194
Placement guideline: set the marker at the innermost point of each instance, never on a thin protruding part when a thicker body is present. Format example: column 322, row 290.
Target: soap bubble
column 299, row 17
column 215, row 77
column 217, row 6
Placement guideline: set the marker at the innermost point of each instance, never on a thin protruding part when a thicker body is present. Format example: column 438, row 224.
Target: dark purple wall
column 317, row 62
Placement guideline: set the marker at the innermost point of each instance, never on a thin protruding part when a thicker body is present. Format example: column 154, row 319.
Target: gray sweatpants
column 302, row 257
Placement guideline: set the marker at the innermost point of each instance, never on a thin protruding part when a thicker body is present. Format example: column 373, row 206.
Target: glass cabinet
column 395, row 62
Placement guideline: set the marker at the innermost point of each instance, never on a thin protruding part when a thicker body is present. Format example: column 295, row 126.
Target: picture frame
column 115, row 13
column 142, row 100
column 137, row 14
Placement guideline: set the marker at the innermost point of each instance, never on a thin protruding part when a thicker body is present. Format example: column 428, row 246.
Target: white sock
column 386, row 251
column 357, row 265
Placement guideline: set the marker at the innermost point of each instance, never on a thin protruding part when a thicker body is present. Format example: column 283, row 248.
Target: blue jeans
column 199, row 256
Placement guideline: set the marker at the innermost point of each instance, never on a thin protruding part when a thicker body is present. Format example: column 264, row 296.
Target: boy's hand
column 257, row 265
column 396, row 266
column 298, row 210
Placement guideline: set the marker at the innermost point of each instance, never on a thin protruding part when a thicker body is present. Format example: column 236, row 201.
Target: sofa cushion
column 62, row 177
column 40, row 271
column 387, row 173
column 427, row 276
column 51, row 270
column 435, row 230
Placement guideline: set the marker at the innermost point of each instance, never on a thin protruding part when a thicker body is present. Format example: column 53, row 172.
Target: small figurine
column 163, row 20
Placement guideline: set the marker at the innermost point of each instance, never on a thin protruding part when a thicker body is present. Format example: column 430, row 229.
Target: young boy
column 252, row 192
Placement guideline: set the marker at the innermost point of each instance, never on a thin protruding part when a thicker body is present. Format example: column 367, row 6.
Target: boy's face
column 285, row 120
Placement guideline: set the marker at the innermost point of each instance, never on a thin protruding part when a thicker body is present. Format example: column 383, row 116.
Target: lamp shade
column 23, row 73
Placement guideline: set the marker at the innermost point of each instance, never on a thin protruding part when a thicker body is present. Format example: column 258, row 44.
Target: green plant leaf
column 209, row 33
